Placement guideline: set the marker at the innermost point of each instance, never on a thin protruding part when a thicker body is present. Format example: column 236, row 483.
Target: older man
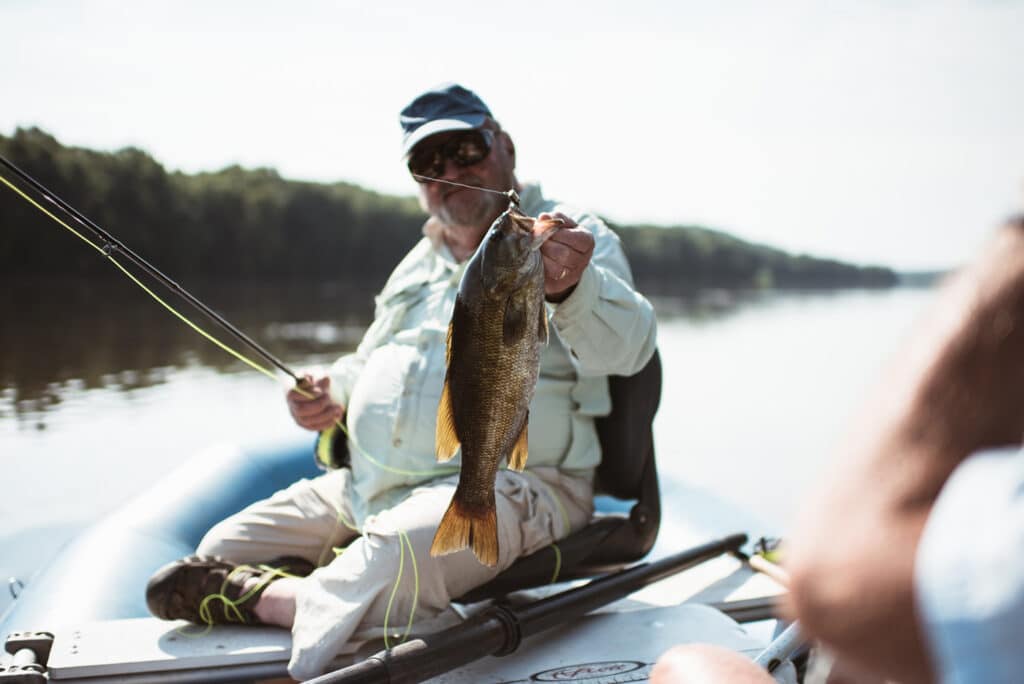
column 390, row 498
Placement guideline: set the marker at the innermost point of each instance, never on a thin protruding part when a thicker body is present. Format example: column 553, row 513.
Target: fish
column 498, row 327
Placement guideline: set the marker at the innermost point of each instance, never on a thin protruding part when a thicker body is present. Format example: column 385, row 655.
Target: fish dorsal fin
column 514, row 323
column 517, row 459
column 446, row 440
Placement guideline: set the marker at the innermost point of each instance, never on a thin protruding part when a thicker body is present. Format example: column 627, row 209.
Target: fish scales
column 498, row 326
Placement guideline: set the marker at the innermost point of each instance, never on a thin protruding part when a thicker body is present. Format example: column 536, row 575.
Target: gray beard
column 479, row 215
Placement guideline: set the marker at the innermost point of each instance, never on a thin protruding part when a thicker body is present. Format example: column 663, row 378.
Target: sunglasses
column 465, row 149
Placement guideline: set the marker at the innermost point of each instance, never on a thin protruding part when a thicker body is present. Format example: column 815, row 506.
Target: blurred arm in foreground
column 897, row 564
column 904, row 564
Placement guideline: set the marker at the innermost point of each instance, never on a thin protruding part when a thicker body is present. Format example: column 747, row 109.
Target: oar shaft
column 144, row 265
column 781, row 648
column 499, row 630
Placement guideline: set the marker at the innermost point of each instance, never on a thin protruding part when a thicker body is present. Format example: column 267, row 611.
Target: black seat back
column 627, row 472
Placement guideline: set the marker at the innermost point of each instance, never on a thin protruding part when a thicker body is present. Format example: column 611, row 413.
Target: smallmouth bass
column 499, row 324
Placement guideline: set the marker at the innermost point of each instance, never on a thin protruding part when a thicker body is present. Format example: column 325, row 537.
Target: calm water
column 101, row 392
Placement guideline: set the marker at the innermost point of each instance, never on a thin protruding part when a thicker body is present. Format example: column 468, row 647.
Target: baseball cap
column 447, row 107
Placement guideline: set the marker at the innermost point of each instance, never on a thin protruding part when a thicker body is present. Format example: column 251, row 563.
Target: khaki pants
column 350, row 591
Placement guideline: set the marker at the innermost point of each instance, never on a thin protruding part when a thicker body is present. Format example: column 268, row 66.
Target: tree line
column 246, row 223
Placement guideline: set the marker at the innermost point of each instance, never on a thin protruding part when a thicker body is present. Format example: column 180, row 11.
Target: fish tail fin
column 462, row 527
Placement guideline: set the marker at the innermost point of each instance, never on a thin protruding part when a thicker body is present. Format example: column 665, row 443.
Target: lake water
column 102, row 392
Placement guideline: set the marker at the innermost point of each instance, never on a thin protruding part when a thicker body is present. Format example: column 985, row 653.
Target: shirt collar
column 531, row 198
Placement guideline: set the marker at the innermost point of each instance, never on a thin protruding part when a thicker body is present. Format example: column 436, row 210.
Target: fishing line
column 131, row 276
column 235, row 615
column 558, row 562
column 403, row 540
column 511, row 194
column 437, row 472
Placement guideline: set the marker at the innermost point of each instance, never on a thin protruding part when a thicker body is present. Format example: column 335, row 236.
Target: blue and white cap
column 447, row 107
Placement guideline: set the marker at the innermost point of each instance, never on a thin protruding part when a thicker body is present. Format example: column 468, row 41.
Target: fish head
column 510, row 253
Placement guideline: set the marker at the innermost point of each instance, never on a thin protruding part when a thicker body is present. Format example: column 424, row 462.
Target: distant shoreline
column 254, row 224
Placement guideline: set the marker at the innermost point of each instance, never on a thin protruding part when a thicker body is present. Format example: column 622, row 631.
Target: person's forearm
column 958, row 388
column 971, row 392
column 610, row 327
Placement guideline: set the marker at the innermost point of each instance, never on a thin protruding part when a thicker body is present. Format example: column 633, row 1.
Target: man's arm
column 608, row 325
column 959, row 388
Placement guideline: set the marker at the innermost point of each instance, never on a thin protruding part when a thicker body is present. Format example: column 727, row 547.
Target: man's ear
column 506, row 141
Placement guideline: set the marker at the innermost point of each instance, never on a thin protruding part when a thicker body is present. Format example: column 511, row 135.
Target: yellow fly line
column 138, row 282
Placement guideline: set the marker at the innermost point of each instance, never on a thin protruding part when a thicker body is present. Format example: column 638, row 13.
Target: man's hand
column 311, row 405
column 566, row 254
column 707, row 663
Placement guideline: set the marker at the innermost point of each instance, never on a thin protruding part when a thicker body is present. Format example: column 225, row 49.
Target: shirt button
column 397, row 441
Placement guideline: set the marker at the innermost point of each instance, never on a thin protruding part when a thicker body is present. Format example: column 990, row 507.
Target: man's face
column 464, row 207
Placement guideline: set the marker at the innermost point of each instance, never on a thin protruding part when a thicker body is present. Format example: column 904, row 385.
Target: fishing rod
column 500, row 629
column 112, row 245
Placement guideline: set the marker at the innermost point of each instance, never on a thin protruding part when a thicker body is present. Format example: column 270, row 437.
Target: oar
column 791, row 639
column 781, row 648
column 499, row 630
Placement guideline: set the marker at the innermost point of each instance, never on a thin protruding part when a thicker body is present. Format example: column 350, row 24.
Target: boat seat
column 620, row 533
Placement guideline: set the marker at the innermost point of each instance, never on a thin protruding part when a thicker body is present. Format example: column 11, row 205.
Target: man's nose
column 451, row 169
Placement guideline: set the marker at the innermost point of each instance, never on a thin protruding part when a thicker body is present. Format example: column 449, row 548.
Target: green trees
column 241, row 223
column 690, row 257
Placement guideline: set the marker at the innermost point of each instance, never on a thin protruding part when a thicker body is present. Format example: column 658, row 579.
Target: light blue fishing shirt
column 968, row 575
column 391, row 385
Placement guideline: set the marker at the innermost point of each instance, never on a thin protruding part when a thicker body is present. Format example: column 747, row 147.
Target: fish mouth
column 540, row 238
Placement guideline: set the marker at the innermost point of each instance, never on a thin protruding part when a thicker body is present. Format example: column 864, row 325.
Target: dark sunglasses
column 465, row 149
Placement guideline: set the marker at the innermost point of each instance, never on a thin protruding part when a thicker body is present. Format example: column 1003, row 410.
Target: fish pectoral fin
column 542, row 324
column 463, row 527
column 514, row 323
column 517, row 459
column 448, row 337
column 446, row 440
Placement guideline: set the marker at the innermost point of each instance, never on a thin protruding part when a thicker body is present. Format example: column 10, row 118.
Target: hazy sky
column 885, row 132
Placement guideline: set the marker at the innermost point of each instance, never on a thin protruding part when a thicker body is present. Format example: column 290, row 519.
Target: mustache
column 468, row 179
